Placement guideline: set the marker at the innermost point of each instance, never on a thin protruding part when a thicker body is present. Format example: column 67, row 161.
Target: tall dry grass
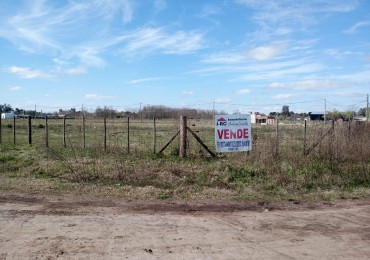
column 341, row 160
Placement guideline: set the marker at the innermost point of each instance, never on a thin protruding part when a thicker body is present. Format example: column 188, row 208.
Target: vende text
column 230, row 134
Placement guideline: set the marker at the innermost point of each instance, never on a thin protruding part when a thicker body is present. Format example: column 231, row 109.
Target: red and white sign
column 233, row 133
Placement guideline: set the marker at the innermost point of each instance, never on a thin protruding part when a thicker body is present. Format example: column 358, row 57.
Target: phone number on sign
column 233, row 144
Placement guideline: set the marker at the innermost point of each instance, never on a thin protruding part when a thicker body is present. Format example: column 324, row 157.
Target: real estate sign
column 233, row 133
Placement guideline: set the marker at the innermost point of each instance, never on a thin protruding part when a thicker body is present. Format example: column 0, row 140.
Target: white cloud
column 187, row 93
column 356, row 27
column 97, row 97
column 242, row 91
column 209, row 10
column 308, row 84
column 357, row 77
column 278, row 18
column 75, row 70
column 278, row 71
column 126, row 9
column 225, row 58
column 28, row 73
column 222, row 100
column 284, row 96
column 137, row 81
column 160, row 4
column 264, row 53
column 277, row 11
column 349, row 94
column 147, row 40
column 338, row 54
column 277, row 85
column 15, row 88
column 261, row 53
column 80, row 32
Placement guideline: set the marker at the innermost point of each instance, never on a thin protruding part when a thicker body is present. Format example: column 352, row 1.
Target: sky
column 231, row 55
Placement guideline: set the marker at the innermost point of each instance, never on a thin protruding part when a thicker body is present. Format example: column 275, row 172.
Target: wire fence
column 149, row 136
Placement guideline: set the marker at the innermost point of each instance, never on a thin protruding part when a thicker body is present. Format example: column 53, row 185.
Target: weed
column 7, row 158
column 201, row 179
column 340, row 162
column 163, row 196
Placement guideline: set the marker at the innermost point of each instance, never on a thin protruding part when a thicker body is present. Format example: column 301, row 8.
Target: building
column 9, row 115
column 359, row 118
column 261, row 119
column 316, row 116
column 265, row 120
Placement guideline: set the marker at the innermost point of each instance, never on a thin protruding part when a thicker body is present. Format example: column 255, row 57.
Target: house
column 359, row 118
column 340, row 120
column 316, row 116
column 265, row 120
column 9, row 115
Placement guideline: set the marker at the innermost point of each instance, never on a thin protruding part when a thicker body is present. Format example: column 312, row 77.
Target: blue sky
column 239, row 55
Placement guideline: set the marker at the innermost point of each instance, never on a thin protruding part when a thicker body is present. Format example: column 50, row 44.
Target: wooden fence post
column 349, row 128
column 14, row 131
column 83, row 133
column 46, row 132
column 29, row 130
column 304, row 137
column 128, row 134
column 64, row 132
column 183, row 136
column 1, row 131
column 332, row 139
column 277, row 137
column 154, row 135
column 105, row 133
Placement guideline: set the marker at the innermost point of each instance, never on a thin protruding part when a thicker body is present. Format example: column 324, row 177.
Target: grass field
column 276, row 168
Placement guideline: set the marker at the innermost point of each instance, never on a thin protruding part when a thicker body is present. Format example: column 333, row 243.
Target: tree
column 106, row 112
column 285, row 110
column 335, row 114
column 6, row 108
column 273, row 114
column 362, row 111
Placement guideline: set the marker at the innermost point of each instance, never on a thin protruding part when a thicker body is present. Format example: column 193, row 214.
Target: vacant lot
column 51, row 227
column 296, row 195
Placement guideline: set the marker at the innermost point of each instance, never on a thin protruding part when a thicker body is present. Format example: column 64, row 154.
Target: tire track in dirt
column 55, row 227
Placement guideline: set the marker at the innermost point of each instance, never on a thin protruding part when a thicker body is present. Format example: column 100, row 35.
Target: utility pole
column 213, row 110
column 35, row 111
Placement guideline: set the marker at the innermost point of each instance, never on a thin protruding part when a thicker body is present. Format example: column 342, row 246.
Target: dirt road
column 40, row 227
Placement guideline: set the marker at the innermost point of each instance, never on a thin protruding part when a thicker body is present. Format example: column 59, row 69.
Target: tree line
column 147, row 112
column 164, row 112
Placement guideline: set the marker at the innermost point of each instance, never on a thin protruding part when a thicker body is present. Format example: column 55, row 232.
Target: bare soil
column 67, row 227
